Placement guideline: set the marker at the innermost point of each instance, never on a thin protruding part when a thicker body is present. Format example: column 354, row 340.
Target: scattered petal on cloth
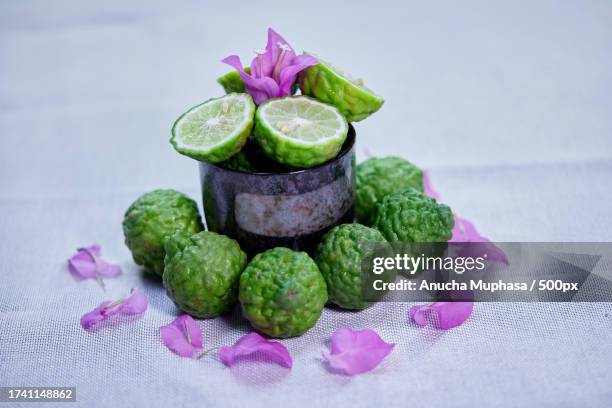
column 87, row 263
column 254, row 345
column 135, row 304
column 465, row 231
column 427, row 188
column 183, row 336
column 273, row 70
column 450, row 314
column 356, row 351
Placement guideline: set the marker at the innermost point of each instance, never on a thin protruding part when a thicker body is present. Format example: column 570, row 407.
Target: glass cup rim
column 347, row 146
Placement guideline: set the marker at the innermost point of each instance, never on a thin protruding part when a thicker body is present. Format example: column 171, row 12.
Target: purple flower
column 475, row 244
column 464, row 231
column 183, row 336
column 449, row 314
column 356, row 351
column 134, row 304
column 428, row 189
column 255, row 346
column 87, row 263
column 273, row 70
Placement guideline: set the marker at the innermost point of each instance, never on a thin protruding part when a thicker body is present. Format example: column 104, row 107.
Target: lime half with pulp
column 331, row 84
column 299, row 131
column 216, row 129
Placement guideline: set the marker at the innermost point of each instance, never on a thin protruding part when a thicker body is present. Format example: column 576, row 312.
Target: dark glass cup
column 280, row 206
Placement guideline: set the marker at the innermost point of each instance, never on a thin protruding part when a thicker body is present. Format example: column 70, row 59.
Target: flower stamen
column 187, row 334
column 94, row 259
column 260, row 62
column 279, row 62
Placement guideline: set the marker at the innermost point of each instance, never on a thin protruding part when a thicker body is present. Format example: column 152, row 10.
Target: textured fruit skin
column 292, row 153
column 153, row 217
column 282, row 292
column 322, row 83
column 411, row 216
column 379, row 177
column 231, row 82
column 202, row 272
column 339, row 257
column 219, row 153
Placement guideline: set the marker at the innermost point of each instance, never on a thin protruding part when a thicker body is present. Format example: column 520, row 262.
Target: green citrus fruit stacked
column 379, row 177
column 333, row 85
column 282, row 292
column 411, row 216
column 342, row 259
column 202, row 272
column 153, row 217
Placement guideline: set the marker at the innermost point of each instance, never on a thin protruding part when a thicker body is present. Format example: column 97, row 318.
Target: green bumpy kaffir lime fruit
column 340, row 256
column 282, row 292
column 153, row 217
column 298, row 131
column 332, row 84
column 231, row 81
column 379, row 177
column 411, row 216
column 202, row 272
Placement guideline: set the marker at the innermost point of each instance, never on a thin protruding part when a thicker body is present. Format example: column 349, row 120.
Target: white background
column 508, row 104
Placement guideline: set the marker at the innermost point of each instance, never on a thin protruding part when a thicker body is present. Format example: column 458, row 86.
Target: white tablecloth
column 508, row 105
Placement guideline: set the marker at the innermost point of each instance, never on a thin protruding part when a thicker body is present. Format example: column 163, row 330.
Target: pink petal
column 90, row 319
column 261, row 89
column 450, row 314
column 88, row 264
column 356, row 351
column 183, row 336
column 136, row 303
column 289, row 73
column 254, row 345
column 465, row 231
column 427, row 188
column 274, row 39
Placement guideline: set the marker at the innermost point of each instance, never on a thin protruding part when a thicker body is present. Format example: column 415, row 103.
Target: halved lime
column 231, row 82
column 331, row 84
column 299, row 131
column 216, row 129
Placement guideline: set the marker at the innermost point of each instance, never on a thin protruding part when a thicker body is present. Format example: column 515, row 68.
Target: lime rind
column 214, row 130
column 299, row 131
column 333, row 85
column 231, row 81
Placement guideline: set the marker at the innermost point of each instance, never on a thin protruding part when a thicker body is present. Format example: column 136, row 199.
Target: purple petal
column 356, row 351
column 88, row 264
column 274, row 39
column 261, row 89
column 183, row 336
column 465, row 231
column 427, row 188
column 254, row 345
column 450, row 314
column 90, row 319
column 289, row 73
column 136, row 303
column 263, row 65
